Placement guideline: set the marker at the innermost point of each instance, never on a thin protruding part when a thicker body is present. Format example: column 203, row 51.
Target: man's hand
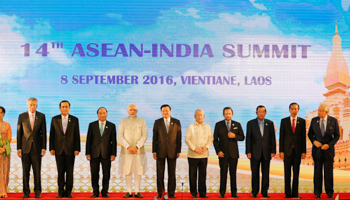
column 178, row 155
column 282, row 155
column 249, row 155
column 52, row 152
column 155, row 156
column 317, row 144
column 273, row 155
column 204, row 149
column 112, row 158
column 43, row 152
column 132, row 150
column 325, row 147
column 19, row 153
column 76, row 153
column 88, row 157
column 2, row 150
column 198, row 150
column 303, row 155
column 221, row 154
column 231, row 135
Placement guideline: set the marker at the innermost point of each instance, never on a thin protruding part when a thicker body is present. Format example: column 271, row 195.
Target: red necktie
column 293, row 126
column 32, row 122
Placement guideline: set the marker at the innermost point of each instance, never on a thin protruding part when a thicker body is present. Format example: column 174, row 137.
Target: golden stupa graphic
column 337, row 81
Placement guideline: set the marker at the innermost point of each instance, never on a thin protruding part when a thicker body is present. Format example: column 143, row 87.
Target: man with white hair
column 323, row 134
column 132, row 135
column 199, row 138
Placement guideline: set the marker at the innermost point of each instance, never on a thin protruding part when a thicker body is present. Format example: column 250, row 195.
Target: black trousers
column 292, row 161
column 95, row 173
column 327, row 164
column 198, row 165
column 65, row 169
column 225, row 164
column 31, row 159
column 265, row 170
column 171, row 175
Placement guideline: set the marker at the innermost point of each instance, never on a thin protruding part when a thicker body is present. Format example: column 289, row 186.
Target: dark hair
column 226, row 108
column 100, row 108
column 64, row 101
column 3, row 109
column 294, row 104
column 260, row 106
column 165, row 105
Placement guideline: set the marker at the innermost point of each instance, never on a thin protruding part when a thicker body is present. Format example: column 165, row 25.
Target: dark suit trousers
column 291, row 161
column 265, row 170
column 171, row 175
column 95, row 173
column 33, row 160
column 65, row 169
column 199, row 164
column 225, row 164
column 327, row 164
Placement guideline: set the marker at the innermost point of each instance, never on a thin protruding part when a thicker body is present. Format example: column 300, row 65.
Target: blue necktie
column 101, row 129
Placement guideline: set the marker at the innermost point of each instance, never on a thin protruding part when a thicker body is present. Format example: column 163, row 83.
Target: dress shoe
column 193, row 196
column 234, row 196
column 59, row 196
column 172, row 196
column 105, row 196
column 222, row 196
column 254, row 195
column 37, row 196
column 297, row 197
column 203, row 196
column 330, row 197
column 159, row 196
column 318, row 196
column 94, row 196
column 138, row 195
column 266, row 195
column 127, row 195
column 286, row 196
column 69, row 195
column 25, row 196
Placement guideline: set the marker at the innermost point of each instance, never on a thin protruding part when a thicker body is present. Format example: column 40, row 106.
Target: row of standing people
column 132, row 134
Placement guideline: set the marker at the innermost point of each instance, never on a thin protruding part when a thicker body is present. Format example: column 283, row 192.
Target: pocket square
column 235, row 128
column 330, row 128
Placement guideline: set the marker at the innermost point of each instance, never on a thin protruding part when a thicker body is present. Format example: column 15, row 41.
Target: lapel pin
column 172, row 123
column 106, row 126
column 317, row 121
column 298, row 122
column 233, row 124
column 266, row 124
column 69, row 120
column 36, row 117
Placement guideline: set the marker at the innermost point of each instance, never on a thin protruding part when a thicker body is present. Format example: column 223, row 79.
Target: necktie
column 261, row 128
column 322, row 127
column 32, row 122
column 64, row 125
column 293, row 125
column 101, row 129
column 167, row 126
column 228, row 126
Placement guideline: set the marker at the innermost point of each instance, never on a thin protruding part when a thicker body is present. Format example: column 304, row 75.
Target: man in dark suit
column 31, row 145
column 101, row 147
column 226, row 134
column 65, row 145
column 166, row 145
column 260, row 148
column 323, row 134
column 292, row 148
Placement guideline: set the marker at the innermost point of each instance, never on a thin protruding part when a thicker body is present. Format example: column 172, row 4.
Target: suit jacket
column 225, row 144
column 26, row 137
column 166, row 144
column 288, row 139
column 68, row 142
column 106, row 145
column 255, row 143
column 330, row 137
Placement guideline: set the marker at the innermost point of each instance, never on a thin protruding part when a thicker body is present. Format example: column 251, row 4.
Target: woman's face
column 2, row 114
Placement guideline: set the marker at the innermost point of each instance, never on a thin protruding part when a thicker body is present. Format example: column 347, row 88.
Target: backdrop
column 188, row 54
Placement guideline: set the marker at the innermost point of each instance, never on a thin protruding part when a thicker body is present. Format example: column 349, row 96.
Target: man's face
column 166, row 112
column 132, row 110
column 32, row 106
column 228, row 114
column 64, row 108
column 102, row 114
column 199, row 116
column 294, row 110
column 322, row 113
column 261, row 113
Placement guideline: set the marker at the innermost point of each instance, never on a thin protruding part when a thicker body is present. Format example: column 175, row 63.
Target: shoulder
column 315, row 119
column 73, row 117
column 93, row 123
column 252, row 121
column 332, row 118
column 158, row 120
column 56, row 117
column 301, row 119
column 175, row 120
column 268, row 121
column 219, row 123
column 235, row 123
column 40, row 114
column 109, row 123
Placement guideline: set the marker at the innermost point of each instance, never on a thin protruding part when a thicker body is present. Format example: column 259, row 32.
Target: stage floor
column 185, row 196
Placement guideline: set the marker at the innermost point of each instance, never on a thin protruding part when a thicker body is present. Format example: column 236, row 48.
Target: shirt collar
column 167, row 119
column 325, row 119
column 31, row 113
column 291, row 118
column 262, row 121
column 64, row 116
